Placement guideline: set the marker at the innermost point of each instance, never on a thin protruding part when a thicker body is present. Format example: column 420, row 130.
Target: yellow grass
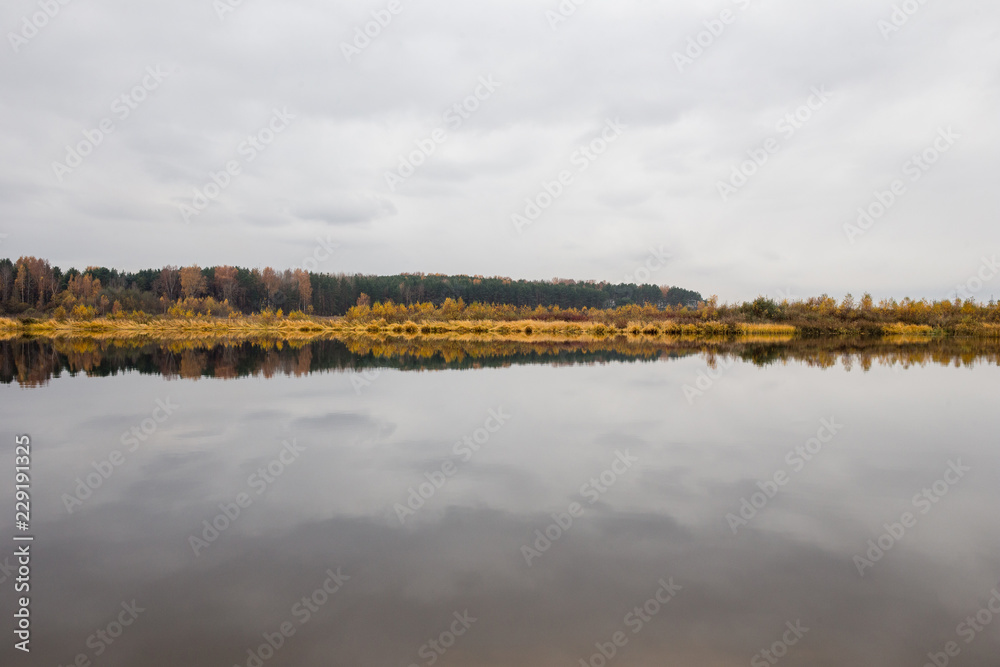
column 160, row 327
column 576, row 330
column 900, row 329
column 303, row 328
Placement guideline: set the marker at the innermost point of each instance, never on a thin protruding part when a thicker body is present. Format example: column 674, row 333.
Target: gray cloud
column 354, row 121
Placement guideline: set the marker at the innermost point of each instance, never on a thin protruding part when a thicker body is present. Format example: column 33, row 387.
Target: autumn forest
column 31, row 286
column 34, row 293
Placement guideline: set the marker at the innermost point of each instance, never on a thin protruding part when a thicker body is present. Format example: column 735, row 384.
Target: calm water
column 426, row 495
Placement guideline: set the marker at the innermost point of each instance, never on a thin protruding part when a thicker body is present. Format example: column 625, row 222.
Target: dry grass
column 304, row 329
column 166, row 328
column 563, row 329
column 901, row 329
column 557, row 330
column 301, row 328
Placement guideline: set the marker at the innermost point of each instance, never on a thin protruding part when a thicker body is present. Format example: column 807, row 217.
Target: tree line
column 31, row 285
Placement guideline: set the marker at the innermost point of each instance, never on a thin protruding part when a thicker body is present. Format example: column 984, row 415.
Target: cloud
column 355, row 119
column 347, row 209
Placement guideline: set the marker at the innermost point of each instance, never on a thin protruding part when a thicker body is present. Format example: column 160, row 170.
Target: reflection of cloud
column 793, row 562
column 405, row 584
column 335, row 420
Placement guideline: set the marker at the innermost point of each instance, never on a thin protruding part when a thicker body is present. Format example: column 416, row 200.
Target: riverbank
column 304, row 327
column 257, row 326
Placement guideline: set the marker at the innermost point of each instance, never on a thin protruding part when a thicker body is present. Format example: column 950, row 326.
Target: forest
column 36, row 295
column 30, row 286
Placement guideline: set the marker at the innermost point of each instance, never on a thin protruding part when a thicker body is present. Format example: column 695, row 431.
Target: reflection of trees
column 32, row 362
column 192, row 364
column 226, row 363
column 303, row 361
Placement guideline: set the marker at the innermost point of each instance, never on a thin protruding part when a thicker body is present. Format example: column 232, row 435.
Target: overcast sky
column 314, row 121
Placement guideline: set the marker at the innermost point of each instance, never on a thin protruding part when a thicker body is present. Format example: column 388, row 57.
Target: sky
column 733, row 147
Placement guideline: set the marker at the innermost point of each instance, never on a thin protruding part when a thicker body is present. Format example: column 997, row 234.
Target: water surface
column 649, row 454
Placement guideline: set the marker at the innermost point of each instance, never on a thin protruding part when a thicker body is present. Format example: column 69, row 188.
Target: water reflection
column 336, row 505
column 32, row 362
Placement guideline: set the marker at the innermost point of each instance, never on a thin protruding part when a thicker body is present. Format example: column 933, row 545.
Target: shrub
column 82, row 312
column 762, row 309
column 376, row 326
column 969, row 327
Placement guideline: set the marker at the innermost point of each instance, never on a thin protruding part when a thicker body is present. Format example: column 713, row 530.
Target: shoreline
column 307, row 328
